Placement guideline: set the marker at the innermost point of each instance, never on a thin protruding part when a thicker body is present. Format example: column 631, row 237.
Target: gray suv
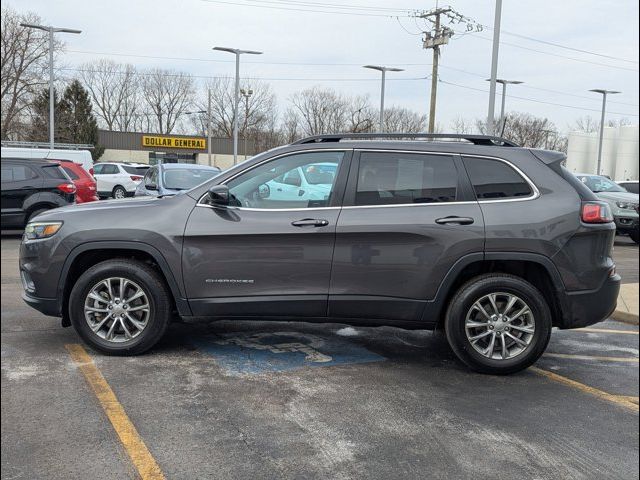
column 494, row 243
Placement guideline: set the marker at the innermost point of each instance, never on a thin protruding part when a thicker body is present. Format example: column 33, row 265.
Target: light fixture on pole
column 236, row 100
column 601, row 136
column 384, row 71
column 246, row 93
column 51, row 31
column 504, row 84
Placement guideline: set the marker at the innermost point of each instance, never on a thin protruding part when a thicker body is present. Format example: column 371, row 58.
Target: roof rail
column 487, row 140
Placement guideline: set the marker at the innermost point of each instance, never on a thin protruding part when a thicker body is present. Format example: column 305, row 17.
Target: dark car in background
column 32, row 186
column 86, row 186
column 171, row 178
column 493, row 243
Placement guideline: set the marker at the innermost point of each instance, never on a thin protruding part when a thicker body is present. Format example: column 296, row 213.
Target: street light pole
column 384, row 71
column 236, row 100
column 209, row 127
column 246, row 94
column 504, row 83
column 601, row 136
column 494, row 68
column 51, row 31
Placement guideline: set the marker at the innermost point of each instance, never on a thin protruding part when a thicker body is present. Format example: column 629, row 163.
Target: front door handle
column 455, row 220
column 310, row 222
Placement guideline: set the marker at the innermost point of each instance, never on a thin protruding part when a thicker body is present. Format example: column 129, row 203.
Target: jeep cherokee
column 493, row 243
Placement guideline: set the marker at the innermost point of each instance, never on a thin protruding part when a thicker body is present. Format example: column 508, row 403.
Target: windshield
column 186, row 178
column 601, row 184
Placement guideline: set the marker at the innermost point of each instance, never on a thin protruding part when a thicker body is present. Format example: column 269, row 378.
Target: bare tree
column 530, row 131
column 115, row 93
column 168, row 95
column 462, row 126
column 319, row 111
column 361, row 117
column 586, row 124
column 397, row 119
column 23, row 58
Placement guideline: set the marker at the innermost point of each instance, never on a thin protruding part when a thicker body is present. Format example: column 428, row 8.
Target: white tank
column 628, row 153
column 609, row 150
column 579, row 153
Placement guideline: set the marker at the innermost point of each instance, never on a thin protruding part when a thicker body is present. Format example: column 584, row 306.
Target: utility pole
column 209, row 127
column 246, row 93
column 494, row 68
column 51, row 31
column 435, row 38
column 601, row 135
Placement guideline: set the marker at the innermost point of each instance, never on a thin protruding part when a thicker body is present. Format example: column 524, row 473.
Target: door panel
column 263, row 256
column 390, row 259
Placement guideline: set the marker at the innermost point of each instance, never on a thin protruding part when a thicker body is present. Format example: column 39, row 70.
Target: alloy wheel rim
column 117, row 309
column 500, row 326
column 119, row 193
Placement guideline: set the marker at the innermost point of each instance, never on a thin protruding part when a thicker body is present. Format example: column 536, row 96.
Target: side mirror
column 151, row 186
column 219, row 195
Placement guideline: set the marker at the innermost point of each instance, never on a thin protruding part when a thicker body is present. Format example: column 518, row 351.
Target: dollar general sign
column 174, row 142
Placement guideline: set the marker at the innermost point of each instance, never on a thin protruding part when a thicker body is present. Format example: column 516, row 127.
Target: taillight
column 67, row 188
column 136, row 178
column 596, row 212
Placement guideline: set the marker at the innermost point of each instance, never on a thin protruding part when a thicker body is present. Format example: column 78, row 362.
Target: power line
column 535, row 100
column 274, row 7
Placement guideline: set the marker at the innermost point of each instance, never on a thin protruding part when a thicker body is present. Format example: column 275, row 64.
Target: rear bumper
column 585, row 308
column 47, row 306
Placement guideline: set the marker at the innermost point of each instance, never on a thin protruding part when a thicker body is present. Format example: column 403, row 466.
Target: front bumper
column 626, row 224
column 47, row 306
column 585, row 308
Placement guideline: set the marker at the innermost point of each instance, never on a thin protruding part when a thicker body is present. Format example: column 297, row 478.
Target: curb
column 625, row 317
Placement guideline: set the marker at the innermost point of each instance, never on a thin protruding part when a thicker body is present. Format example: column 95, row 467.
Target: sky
column 305, row 48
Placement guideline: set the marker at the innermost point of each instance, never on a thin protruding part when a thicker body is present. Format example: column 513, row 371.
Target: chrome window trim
column 266, row 160
column 536, row 192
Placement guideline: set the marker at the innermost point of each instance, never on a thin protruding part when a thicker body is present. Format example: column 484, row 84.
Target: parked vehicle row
column 493, row 243
column 623, row 203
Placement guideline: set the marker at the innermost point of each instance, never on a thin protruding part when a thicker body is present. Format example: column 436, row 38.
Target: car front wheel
column 120, row 307
column 498, row 324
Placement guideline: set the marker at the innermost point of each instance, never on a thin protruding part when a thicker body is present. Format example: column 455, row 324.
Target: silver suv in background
column 623, row 203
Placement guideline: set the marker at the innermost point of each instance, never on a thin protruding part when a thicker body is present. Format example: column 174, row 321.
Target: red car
column 86, row 190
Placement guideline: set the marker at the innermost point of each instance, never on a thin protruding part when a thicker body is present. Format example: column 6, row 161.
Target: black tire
column 634, row 236
column 36, row 212
column 474, row 290
column 119, row 192
column 160, row 310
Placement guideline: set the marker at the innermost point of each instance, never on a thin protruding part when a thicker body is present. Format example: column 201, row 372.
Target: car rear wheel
column 498, row 324
column 119, row 192
column 35, row 213
column 120, row 307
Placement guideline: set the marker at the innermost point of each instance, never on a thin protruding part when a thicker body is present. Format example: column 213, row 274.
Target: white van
column 81, row 157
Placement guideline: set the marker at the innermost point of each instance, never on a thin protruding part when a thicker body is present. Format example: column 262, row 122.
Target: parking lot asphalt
column 237, row 400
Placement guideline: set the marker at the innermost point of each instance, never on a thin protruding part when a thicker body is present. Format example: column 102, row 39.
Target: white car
column 309, row 183
column 118, row 180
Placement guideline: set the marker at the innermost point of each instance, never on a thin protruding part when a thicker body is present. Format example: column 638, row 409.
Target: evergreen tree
column 77, row 122
column 39, row 130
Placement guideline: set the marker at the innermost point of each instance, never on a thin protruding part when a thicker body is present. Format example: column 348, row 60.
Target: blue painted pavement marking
column 242, row 353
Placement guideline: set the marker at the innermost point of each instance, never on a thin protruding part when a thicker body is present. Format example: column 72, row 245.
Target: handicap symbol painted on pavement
column 240, row 354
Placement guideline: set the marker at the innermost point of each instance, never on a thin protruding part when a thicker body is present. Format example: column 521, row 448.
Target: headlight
column 626, row 205
column 38, row 230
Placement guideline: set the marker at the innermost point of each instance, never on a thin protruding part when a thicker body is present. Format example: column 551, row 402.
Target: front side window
column 495, row 180
column 288, row 182
column 97, row 169
column 397, row 178
column 109, row 169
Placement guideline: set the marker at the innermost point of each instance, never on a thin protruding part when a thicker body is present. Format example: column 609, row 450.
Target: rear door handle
column 455, row 220
column 310, row 222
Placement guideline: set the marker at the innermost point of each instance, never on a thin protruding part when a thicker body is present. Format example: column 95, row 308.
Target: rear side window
column 17, row 173
column 135, row 170
column 54, row 171
column 393, row 178
column 493, row 179
column 71, row 173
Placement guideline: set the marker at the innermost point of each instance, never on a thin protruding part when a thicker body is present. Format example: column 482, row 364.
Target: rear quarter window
column 135, row 170
column 54, row 171
column 71, row 173
column 17, row 173
column 495, row 180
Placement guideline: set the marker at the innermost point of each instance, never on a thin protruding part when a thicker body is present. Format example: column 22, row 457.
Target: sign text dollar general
column 174, row 142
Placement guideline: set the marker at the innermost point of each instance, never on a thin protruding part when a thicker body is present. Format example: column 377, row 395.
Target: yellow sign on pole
column 174, row 142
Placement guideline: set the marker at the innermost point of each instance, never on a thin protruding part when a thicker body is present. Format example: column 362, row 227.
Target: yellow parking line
column 616, row 399
column 129, row 437
column 593, row 357
column 606, row 330
column 629, row 398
